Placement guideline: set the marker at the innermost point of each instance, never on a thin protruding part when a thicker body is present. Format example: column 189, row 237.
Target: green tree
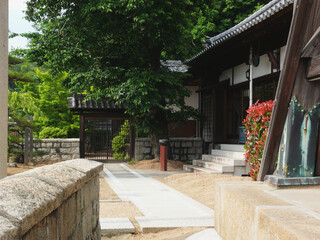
column 114, row 48
column 50, row 96
column 31, row 86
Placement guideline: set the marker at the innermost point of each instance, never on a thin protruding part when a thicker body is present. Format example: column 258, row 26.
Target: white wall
column 240, row 73
column 264, row 68
column 227, row 74
column 3, row 86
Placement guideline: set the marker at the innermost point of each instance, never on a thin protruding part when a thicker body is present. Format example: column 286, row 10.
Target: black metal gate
column 98, row 136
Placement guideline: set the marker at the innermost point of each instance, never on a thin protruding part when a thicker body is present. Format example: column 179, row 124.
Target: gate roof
column 77, row 103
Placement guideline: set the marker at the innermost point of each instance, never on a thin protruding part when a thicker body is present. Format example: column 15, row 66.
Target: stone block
column 183, row 158
column 177, row 144
column 235, row 208
column 66, row 145
column 198, row 144
column 192, row 150
column 66, row 157
column 28, row 199
column 46, row 145
column 52, row 225
column 87, row 221
column 50, row 193
column 192, row 157
column 176, row 157
column 147, row 151
column 75, row 150
column 138, row 157
column 68, row 218
column 39, row 231
column 199, row 150
column 186, row 144
column 56, row 145
column 65, row 150
column 75, row 144
column 75, row 156
column 185, row 150
column 54, row 157
column 8, row 230
column 177, row 150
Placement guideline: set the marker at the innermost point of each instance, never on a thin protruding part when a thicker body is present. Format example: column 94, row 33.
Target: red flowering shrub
column 256, row 124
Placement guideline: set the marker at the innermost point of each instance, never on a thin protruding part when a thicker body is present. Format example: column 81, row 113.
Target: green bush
column 53, row 132
column 119, row 142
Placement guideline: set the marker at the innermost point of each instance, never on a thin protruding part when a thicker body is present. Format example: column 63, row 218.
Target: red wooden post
column 163, row 154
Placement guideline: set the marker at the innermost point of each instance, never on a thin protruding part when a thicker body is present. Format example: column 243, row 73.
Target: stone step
column 196, row 169
column 227, row 154
column 220, row 167
column 232, row 147
column 224, row 160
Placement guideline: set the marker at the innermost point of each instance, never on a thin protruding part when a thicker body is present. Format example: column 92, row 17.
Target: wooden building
column 222, row 70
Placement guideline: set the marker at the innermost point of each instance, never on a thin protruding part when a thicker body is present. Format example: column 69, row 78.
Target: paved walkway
column 162, row 206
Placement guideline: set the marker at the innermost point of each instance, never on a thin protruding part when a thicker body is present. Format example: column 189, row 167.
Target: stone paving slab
column 161, row 205
column 148, row 224
column 208, row 234
column 116, row 225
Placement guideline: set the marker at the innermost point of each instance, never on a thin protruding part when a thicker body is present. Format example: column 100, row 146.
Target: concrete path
column 162, row 206
column 208, row 234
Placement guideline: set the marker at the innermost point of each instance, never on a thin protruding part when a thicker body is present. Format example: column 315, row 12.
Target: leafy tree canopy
column 113, row 48
column 42, row 95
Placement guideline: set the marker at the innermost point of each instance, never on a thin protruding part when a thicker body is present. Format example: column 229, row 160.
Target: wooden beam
column 285, row 87
column 305, row 23
column 273, row 60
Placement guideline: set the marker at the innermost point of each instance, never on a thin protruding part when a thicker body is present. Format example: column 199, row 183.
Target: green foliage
column 113, row 48
column 119, row 142
column 49, row 94
column 132, row 161
column 20, row 105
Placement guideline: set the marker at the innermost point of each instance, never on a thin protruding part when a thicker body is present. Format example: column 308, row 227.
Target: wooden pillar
column 82, row 119
column 132, row 139
column 3, row 87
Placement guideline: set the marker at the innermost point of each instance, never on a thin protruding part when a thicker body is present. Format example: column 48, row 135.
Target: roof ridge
column 262, row 14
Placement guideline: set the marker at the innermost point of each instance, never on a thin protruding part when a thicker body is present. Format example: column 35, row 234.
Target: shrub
column 119, row 142
column 256, row 123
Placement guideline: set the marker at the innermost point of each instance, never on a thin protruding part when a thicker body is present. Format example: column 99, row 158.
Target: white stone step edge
column 220, row 167
column 225, row 160
column 232, row 147
column 228, row 154
column 191, row 168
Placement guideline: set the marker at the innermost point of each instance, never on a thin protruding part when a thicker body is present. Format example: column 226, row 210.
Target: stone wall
column 56, row 149
column 181, row 149
column 60, row 201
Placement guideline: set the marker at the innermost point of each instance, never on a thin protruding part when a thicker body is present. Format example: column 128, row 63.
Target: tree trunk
column 155, row 145
column 160, row 133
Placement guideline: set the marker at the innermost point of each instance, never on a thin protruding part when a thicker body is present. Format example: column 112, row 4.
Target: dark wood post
column 305, row 19
column 82, row 119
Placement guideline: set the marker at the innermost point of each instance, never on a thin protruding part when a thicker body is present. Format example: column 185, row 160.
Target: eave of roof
column 77, row 103
column 259, row 16
column 174, row 65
